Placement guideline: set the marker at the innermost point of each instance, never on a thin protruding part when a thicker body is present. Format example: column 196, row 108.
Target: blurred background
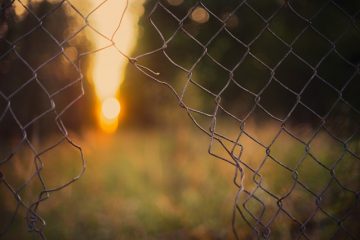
column 283, row 92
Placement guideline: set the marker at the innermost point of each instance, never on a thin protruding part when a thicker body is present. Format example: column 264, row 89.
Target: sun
column 109, row 65
column 109, row 112
column 110, row 108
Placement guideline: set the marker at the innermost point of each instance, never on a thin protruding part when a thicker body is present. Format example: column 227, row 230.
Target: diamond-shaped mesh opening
column 48, row 125
column 252, row 154
column 55, row 164
column 284, row 176
column 252, row 203
column 277, row 93
column 313, row 175
column 302, row 123
column 294, row 73
column 31, row 97
column 328, row 154
column 334, row 61
column 223, row 129
column 210, row 75
column 254, row 207
column 58, row 73
column 226, row 50
column 269, row 49
column 287, row 25
column 262, row 127
column 193, row 50
column 14, row 70
column 66, row 96
column 48, row 50
column 249, row 70
column 287, row 150
column 331, row 22
column 299, row 205
column 245, row 24
column 319, row 88
column 283, row 221
column 196, row 98
column 319, row 47
column 237, row 101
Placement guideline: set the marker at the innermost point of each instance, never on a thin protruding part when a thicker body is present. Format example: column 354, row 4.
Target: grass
column 162, row 184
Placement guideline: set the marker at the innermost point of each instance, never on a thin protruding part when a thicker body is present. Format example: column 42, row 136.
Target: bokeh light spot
column 200, row 15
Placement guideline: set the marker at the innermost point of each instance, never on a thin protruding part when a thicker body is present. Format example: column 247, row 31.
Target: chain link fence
column 274, row 84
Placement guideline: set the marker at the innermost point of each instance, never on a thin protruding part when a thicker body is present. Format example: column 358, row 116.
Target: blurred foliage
column 33, row 78
column 277, row 62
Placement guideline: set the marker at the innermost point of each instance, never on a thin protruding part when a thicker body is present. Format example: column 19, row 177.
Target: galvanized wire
column 256, row 197
column 260, row 192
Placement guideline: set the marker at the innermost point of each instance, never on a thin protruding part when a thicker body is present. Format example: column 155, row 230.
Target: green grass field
column 162, row 184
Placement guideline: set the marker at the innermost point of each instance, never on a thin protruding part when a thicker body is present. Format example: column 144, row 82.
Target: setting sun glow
column 112, row 28
column 110, row 108
column 109, row 114
column 109, row 63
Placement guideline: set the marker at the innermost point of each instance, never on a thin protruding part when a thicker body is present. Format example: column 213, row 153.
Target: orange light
column 108, row 125
column 109, row 64
column 110, row 108
column 109, row 115
column 200, row 15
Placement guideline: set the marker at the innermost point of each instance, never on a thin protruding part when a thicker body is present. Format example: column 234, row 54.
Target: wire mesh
column 290, row 65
